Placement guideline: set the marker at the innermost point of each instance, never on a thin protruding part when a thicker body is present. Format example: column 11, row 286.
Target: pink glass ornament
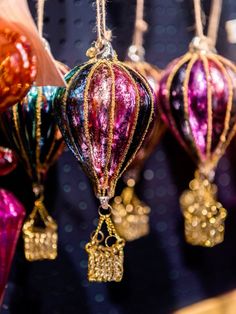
column 12, row 214
column 104, row 115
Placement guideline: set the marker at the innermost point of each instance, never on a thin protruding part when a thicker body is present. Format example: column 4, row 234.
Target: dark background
column 162, row 272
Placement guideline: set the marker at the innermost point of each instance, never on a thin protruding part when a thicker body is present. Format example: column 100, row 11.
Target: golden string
column 40, row 16
column 126, row 68
column 111, row 123
column 38, row 132
column 190, row 65
column 140, row 25
column 209, row 105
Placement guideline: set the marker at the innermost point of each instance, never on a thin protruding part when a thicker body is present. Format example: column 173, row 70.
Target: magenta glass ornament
column 198, row 102
column 104, row 115
column 12, row 214
column 8, row 161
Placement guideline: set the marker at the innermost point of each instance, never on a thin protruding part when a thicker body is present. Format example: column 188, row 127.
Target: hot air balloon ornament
column 104, row 114
column 130, row 214
column 33, row 134
column 197, row 102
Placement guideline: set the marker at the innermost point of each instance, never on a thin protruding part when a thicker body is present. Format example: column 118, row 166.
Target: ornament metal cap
column 104, row 201
column 136, row 53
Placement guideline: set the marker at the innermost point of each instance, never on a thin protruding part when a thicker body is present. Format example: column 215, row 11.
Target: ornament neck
column 38, row 190
column 102, row 48
column 104, row 201
column 206, row 171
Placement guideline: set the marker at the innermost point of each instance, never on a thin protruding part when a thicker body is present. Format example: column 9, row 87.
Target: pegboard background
column 162, row 272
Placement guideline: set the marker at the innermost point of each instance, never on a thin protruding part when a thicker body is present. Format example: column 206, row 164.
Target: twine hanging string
column 140, row 25
column 103, row 34
column 40, row 16
column 213, row 24
column 214, row 21
column 198, row 18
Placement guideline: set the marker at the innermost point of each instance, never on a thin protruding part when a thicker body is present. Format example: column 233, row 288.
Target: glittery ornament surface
column 197, row 97
column 150, row 72
column 11, row 218
column 32, row 131
column 8, row 161
column 98, row 115
column 17, row 65
column 204, row 120
column 157, row 127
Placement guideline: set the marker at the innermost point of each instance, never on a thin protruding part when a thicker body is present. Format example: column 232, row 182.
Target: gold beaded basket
column 105, row 262
column 130, row 215
column 204, row 215
column 40, row 242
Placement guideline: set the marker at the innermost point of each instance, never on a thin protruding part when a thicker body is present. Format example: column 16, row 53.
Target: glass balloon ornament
column 104, row 114
column 12, row 214
column 130, row 214
column 33, row 134
column 18, row 65
column 198, row 103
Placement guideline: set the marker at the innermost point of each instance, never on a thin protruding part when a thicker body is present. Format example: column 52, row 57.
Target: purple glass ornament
column 104, row 115
column 12, row 214
column 198, row 103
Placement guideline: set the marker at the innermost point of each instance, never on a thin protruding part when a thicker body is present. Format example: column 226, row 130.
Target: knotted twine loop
column 102, row 46
column 202, row 42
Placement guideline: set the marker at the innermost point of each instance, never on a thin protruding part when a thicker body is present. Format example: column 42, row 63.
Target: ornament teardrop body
column 104, row 115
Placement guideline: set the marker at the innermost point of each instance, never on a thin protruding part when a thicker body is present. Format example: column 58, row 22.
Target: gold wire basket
column 40, row 242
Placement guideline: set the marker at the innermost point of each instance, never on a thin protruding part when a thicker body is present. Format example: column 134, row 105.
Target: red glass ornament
column 17, row 65
column 8, row 161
